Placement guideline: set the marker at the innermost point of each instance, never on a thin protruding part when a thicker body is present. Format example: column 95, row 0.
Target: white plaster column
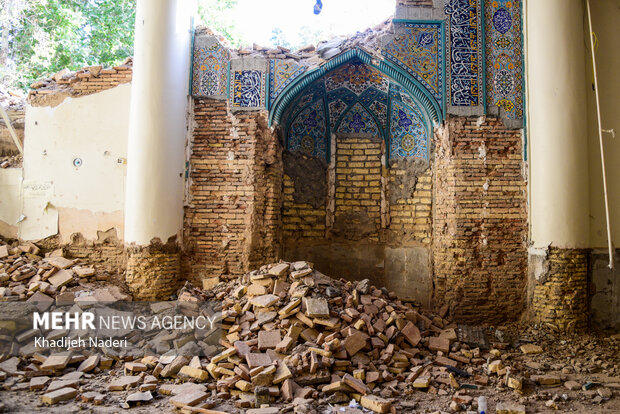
column 158, row 120
column 557, row 119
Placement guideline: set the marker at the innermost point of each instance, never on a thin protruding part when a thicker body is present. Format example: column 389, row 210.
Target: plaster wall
column 605, row 289
column 60, row 197
column 10, row 201
column 604, row 283
column 606, row 25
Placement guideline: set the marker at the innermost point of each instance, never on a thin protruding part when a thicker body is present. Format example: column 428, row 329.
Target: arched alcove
column 357, row 134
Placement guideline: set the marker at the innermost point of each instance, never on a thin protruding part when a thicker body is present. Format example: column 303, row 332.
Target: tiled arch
column 355, row 94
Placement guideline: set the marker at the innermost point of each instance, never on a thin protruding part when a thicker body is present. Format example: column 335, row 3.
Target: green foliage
column 50, row 35
column 40, row 37
column 215, row 14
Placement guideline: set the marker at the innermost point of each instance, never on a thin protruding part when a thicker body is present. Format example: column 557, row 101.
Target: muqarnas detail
column 248, row 89
column 358, row 121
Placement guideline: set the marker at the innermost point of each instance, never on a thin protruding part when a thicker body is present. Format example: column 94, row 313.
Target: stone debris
column 286, row 338
column 62, row 394
column 24, row 274
column 531, row 349
column 123, row 383
column 56, row 362
column 509, row 408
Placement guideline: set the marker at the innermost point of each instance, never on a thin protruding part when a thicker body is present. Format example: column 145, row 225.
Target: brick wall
column 480, row 220
column 300, row 221
column 561, row 300
column 232, row 216
column 358, row 188
column 84, row 82
column 266, row 230
column 109, row 256
column 410, row 205
column 153, row 275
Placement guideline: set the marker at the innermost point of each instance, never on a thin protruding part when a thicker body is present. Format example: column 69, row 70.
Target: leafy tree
column 41, row 37
column 215, row 15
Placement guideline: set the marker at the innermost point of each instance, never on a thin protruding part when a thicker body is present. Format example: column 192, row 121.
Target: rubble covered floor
column 294, row 340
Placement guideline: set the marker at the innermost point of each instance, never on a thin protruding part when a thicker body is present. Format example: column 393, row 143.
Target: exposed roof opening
column 291, row 24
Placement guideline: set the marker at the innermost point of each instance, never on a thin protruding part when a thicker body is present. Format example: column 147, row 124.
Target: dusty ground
column 412, row 372
column 591, row 358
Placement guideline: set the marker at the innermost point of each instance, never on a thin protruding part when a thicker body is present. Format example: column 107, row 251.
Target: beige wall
column 10, row 201
column 606, row 25
column 59, row 197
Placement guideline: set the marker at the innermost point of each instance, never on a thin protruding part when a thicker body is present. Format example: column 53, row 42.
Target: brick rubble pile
column 291, row 339
column 25, row 275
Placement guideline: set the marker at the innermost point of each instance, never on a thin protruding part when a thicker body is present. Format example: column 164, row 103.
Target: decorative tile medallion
column 358, row 121
column 409, row 136
column 281, row 74
column 308, row 132
column 247, row 89
column 504, row 54
column 418, row 50
column 210, row 67
column 464, row 83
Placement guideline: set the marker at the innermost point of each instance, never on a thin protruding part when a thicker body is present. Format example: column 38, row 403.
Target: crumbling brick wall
column 86, row 81
column 561, row 299
column 304, row 198
column 358, row 189
column 480, row 220
column 106, row 253
column 232, row 217
column 266, row 228
column 300, row 221
column 410, row 202
column 152, row 273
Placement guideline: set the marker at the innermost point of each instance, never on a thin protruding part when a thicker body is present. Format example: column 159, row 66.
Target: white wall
column 60, row 197
column 10, row 201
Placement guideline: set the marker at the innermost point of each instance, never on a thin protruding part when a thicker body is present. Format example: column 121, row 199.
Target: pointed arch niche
column 357, row 136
